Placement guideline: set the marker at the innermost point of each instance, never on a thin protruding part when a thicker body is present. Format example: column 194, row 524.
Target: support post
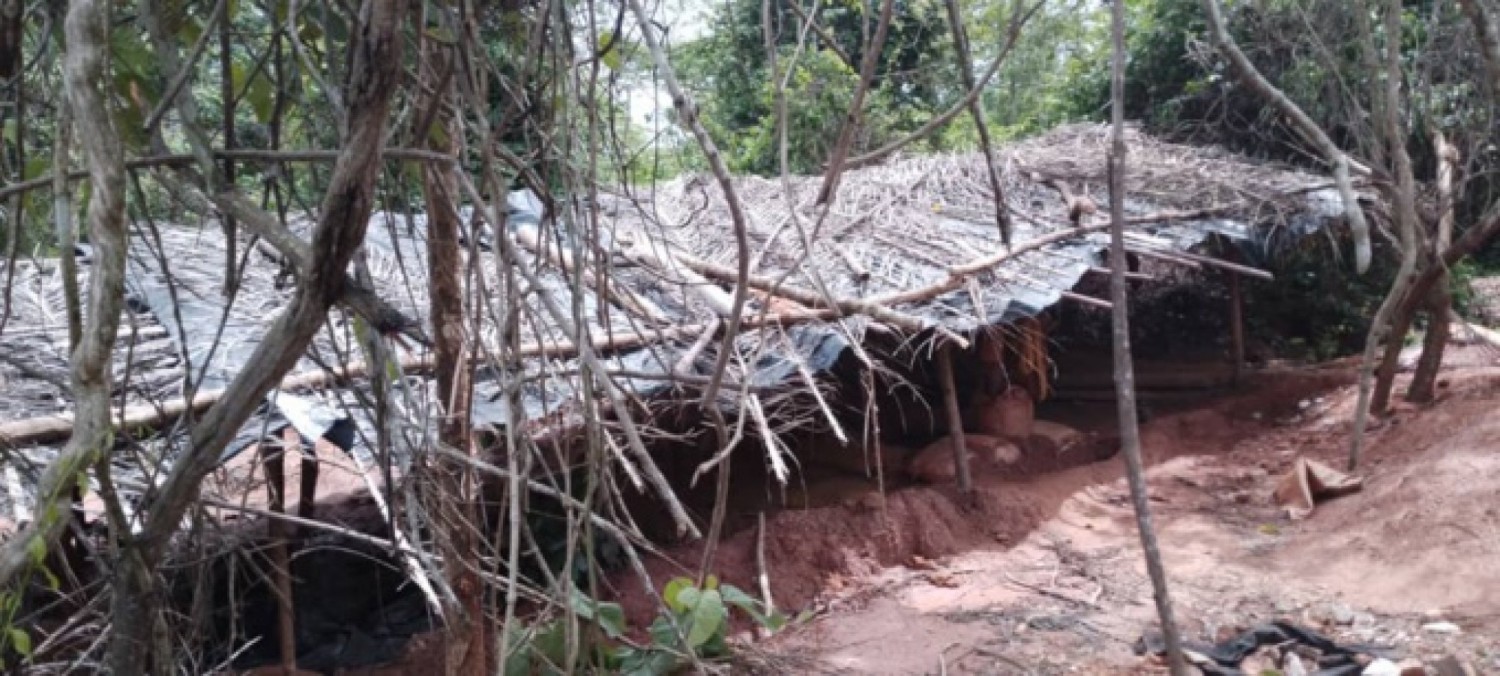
column 955, row 418
column 1236, row 326
column 273, row 458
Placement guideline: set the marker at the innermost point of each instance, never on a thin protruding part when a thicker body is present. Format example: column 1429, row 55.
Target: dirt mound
column 810, row 551
column 1426, row 530
column 1415, row 547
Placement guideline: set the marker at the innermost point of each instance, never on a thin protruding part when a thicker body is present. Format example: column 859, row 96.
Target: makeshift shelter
column 876, row 297
column 909, row 252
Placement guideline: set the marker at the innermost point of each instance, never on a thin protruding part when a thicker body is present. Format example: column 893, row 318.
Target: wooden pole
column 955, row 419
column 1130, row 433
column 273, row 458
column 1236, row 326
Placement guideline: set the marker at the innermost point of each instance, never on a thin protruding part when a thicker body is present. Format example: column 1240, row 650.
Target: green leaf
column 662, row 632
column 687, row 599
column 20, row 640
column 190, row 31
column 609, row 616
column 36, row 166
column 648, row 662
column 261, row 97
column 53, row 583
column 237, row 77
column 610, row 50
column 36, row 550
column 674, row 589
column 552, row 644
column 708, row 616
column 518, row 657
column 437, row 136
column 739, row 599
column 83, row 478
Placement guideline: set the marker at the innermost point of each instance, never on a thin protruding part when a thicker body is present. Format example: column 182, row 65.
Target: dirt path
column 1418, row 545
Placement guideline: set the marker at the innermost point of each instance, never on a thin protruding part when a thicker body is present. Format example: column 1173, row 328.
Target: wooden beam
column 273, row 460
column 955, row 418
column 1134, row 276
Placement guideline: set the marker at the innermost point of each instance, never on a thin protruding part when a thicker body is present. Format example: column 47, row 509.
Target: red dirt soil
column 1041, row 571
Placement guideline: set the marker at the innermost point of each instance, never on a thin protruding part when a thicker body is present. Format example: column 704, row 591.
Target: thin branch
column 823, row 35
column 976, row 110
column 1012, row 36
column 1251, row 79
column 854, row 119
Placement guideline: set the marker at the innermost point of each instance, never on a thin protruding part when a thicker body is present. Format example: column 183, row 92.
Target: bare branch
column 1251, row 79
column 854, row 119
column 1012, row 35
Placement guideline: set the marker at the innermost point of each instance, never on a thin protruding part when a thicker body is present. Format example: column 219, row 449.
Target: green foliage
column 697, row 625
column 1318, row 308
column 1059, row 61
column 730, row 76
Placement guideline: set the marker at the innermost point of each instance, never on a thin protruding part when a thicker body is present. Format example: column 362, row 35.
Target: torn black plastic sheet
column 1224, row 658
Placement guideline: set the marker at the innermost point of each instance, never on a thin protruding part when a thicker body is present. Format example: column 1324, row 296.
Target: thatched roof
column 897, row 235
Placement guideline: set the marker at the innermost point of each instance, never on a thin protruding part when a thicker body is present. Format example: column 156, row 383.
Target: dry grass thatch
column 909, row 243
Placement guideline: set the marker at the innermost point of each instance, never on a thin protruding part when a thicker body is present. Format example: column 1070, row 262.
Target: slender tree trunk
column 12, row 26
column 1390, row 361
column 84, row 73
column 1020, row 14
column 1423, row 386
column 976, row 110
column 1489, row 39
column 459, row 491
column 1130, row 433
column 1403, row 194
column 227, row 94
column 1440, row 301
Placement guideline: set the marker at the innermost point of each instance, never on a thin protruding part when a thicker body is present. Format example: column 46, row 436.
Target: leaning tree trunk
column 1401, row 321
column 1403, row 194
column 343, row 218
column 87, row 29
column 1440, row 303
column 1130, row 433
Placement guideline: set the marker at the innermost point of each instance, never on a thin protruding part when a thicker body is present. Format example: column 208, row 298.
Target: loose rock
column 1442, row 628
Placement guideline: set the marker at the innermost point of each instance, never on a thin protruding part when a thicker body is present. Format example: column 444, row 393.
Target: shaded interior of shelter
column 354, row 606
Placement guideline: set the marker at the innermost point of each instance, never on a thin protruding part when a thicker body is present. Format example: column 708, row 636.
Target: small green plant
column 696, row 626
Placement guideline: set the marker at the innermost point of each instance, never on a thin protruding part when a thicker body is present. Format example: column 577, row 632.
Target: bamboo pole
column 955, row 418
